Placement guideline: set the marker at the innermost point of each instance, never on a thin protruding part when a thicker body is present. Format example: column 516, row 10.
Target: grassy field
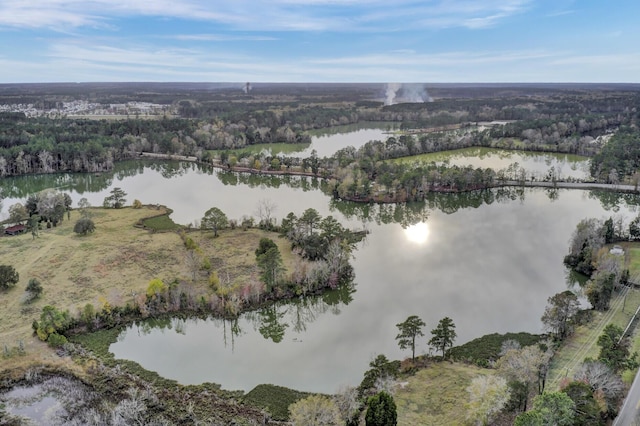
column 436, row 395
column 112, row 264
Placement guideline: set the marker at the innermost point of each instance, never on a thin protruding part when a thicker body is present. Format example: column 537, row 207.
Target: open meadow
column 113, row 264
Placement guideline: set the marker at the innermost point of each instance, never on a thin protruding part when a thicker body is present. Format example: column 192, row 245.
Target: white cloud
column 275, row 15
column 112, row 60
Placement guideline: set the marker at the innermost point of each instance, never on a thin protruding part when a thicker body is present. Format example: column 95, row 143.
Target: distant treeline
column 46, row 145
column 571, row 122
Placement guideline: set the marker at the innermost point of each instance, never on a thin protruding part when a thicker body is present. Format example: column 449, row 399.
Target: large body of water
column 489, row 260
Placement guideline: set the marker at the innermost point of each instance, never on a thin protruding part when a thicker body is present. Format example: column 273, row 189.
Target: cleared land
column 436, row 395
column 113, row 264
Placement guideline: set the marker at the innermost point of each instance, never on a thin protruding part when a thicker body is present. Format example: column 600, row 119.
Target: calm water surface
column 488, row 260
column 490, row 268
column 536, row 164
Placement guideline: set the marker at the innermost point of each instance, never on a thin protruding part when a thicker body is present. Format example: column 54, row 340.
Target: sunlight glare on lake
column 418, row 233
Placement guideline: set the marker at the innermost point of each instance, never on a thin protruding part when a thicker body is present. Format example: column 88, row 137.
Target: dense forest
column 568, row 119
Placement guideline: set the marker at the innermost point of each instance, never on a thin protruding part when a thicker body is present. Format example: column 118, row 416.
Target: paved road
column 631, row 408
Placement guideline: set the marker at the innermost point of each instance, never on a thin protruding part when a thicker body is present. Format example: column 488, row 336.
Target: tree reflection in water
column 273, row 321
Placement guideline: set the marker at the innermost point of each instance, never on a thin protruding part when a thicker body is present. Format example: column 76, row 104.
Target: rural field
column 113, row 264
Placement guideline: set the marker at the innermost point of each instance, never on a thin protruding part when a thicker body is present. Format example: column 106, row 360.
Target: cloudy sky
column 320, row 40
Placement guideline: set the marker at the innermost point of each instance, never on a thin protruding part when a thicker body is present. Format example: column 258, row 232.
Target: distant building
column 15, row 230
column 617, row 250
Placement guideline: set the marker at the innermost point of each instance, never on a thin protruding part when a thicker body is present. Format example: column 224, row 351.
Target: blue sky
column 320, row 40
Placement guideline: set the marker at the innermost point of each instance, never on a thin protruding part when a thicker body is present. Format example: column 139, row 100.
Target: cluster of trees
column 44, row 145
column 594, row 393
column 590, row 397
column 576, row 135
column 442, row 337
column 48, row 206
column 322, row 245
column 589, row 256
column 619, row 157
column 326, row 246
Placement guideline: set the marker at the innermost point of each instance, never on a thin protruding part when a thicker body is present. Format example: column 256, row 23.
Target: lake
column 488, row 259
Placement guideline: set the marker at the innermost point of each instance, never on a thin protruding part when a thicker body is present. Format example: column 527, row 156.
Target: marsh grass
column 275, row 399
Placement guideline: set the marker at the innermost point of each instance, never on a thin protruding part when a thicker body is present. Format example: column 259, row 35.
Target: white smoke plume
column 246, row 88
column 396, row 93
column 390, row 93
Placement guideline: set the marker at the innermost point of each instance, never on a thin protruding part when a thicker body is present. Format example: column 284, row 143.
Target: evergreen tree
column 409, row 330
column 381, row 410
column 443, row 335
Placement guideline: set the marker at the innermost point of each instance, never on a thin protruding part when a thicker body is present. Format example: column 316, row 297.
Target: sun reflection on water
column 418, row 233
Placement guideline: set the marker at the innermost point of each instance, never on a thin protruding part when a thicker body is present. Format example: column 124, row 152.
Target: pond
column 327, row 142
column 488, row 263
column 49, row 402
column 488, row 259
column 537, row 165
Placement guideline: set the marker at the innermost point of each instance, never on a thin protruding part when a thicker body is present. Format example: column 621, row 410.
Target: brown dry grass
column 436, row 395
column 112, row 264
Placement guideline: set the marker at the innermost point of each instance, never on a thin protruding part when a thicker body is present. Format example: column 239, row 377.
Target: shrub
column 214, row 280
column 56, row 340
column 9, row 277
column 486, row 349
column 156, row 286
column 137, row 204
column 33, row 290
column 275, row 399
column 206, row 264
column 317, row 410
column 84, row 225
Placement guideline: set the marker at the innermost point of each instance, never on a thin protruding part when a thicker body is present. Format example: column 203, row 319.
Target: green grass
column 275, row 399
column 436, row 395
column 161, row 223
column 634, row 259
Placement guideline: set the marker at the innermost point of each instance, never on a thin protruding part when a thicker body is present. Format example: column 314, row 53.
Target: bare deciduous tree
column 315, row 410
column 265, row 210
column 487, row 397
column 602, row 379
